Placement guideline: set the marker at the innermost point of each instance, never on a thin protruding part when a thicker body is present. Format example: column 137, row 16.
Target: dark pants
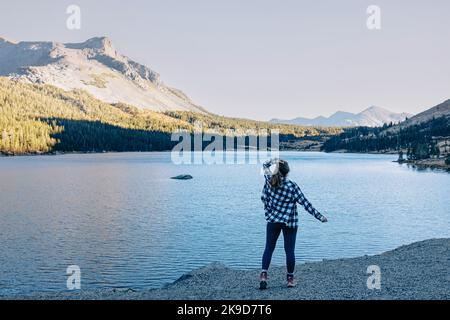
column 289, row 235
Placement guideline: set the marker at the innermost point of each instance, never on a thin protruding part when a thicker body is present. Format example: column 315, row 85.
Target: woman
column 280, row 197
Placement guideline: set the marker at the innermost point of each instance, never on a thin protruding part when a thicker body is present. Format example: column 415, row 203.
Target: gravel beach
column 417, row 271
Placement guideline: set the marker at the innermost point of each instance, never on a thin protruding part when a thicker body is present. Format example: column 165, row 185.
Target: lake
column 126, row 224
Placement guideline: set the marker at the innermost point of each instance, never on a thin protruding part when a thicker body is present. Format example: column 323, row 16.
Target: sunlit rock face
column 94, row 66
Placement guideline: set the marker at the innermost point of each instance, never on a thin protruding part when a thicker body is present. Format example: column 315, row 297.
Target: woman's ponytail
column 275, row 181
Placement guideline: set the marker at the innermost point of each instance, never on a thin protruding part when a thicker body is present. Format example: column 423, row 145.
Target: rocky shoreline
column 438, row 164
column 416, row 271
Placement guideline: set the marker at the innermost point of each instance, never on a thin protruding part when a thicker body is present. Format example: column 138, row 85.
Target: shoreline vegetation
column 411, row 272
column 439, row 164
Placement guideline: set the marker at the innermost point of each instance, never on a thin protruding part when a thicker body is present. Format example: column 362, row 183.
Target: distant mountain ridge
column 420, row 136
column 94, row 66
column 370, row 117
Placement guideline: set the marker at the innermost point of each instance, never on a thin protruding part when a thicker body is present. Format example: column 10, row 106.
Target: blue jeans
column 289, row 235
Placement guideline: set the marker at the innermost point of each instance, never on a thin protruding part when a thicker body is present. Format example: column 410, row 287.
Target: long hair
column 281, row 171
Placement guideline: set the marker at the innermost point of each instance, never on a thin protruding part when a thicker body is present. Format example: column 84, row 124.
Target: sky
column 266, row 59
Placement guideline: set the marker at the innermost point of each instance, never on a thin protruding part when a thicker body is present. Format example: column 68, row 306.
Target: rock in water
column 183, row 177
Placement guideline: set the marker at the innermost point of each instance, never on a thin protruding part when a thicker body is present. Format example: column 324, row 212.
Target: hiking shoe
column 263, row 281
column 290, row 281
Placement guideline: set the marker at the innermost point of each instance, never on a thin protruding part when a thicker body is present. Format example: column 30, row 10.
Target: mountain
column 420, row 136
column 371, row 117
column 441, row 110
column 376, row 116
column 93, row 66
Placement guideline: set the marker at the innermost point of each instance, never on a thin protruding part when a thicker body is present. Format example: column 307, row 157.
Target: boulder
column 183, row 177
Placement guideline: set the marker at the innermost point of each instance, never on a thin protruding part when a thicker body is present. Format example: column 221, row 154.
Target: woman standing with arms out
column 280, row 197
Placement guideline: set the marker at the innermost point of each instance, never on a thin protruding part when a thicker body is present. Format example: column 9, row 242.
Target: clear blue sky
column 265, row 59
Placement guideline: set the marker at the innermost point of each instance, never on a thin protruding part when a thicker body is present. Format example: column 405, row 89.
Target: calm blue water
column 126, row 224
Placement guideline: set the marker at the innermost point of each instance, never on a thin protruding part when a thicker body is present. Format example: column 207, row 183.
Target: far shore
column 59, row 153
column 412, row 272
column 434, row 164
column 438, row 164
column 388, row 152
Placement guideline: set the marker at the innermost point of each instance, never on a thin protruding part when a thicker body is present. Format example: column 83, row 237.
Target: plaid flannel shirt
column 280, row 204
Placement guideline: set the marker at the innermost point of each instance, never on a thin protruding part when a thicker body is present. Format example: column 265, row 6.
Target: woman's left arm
column 300, row 198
